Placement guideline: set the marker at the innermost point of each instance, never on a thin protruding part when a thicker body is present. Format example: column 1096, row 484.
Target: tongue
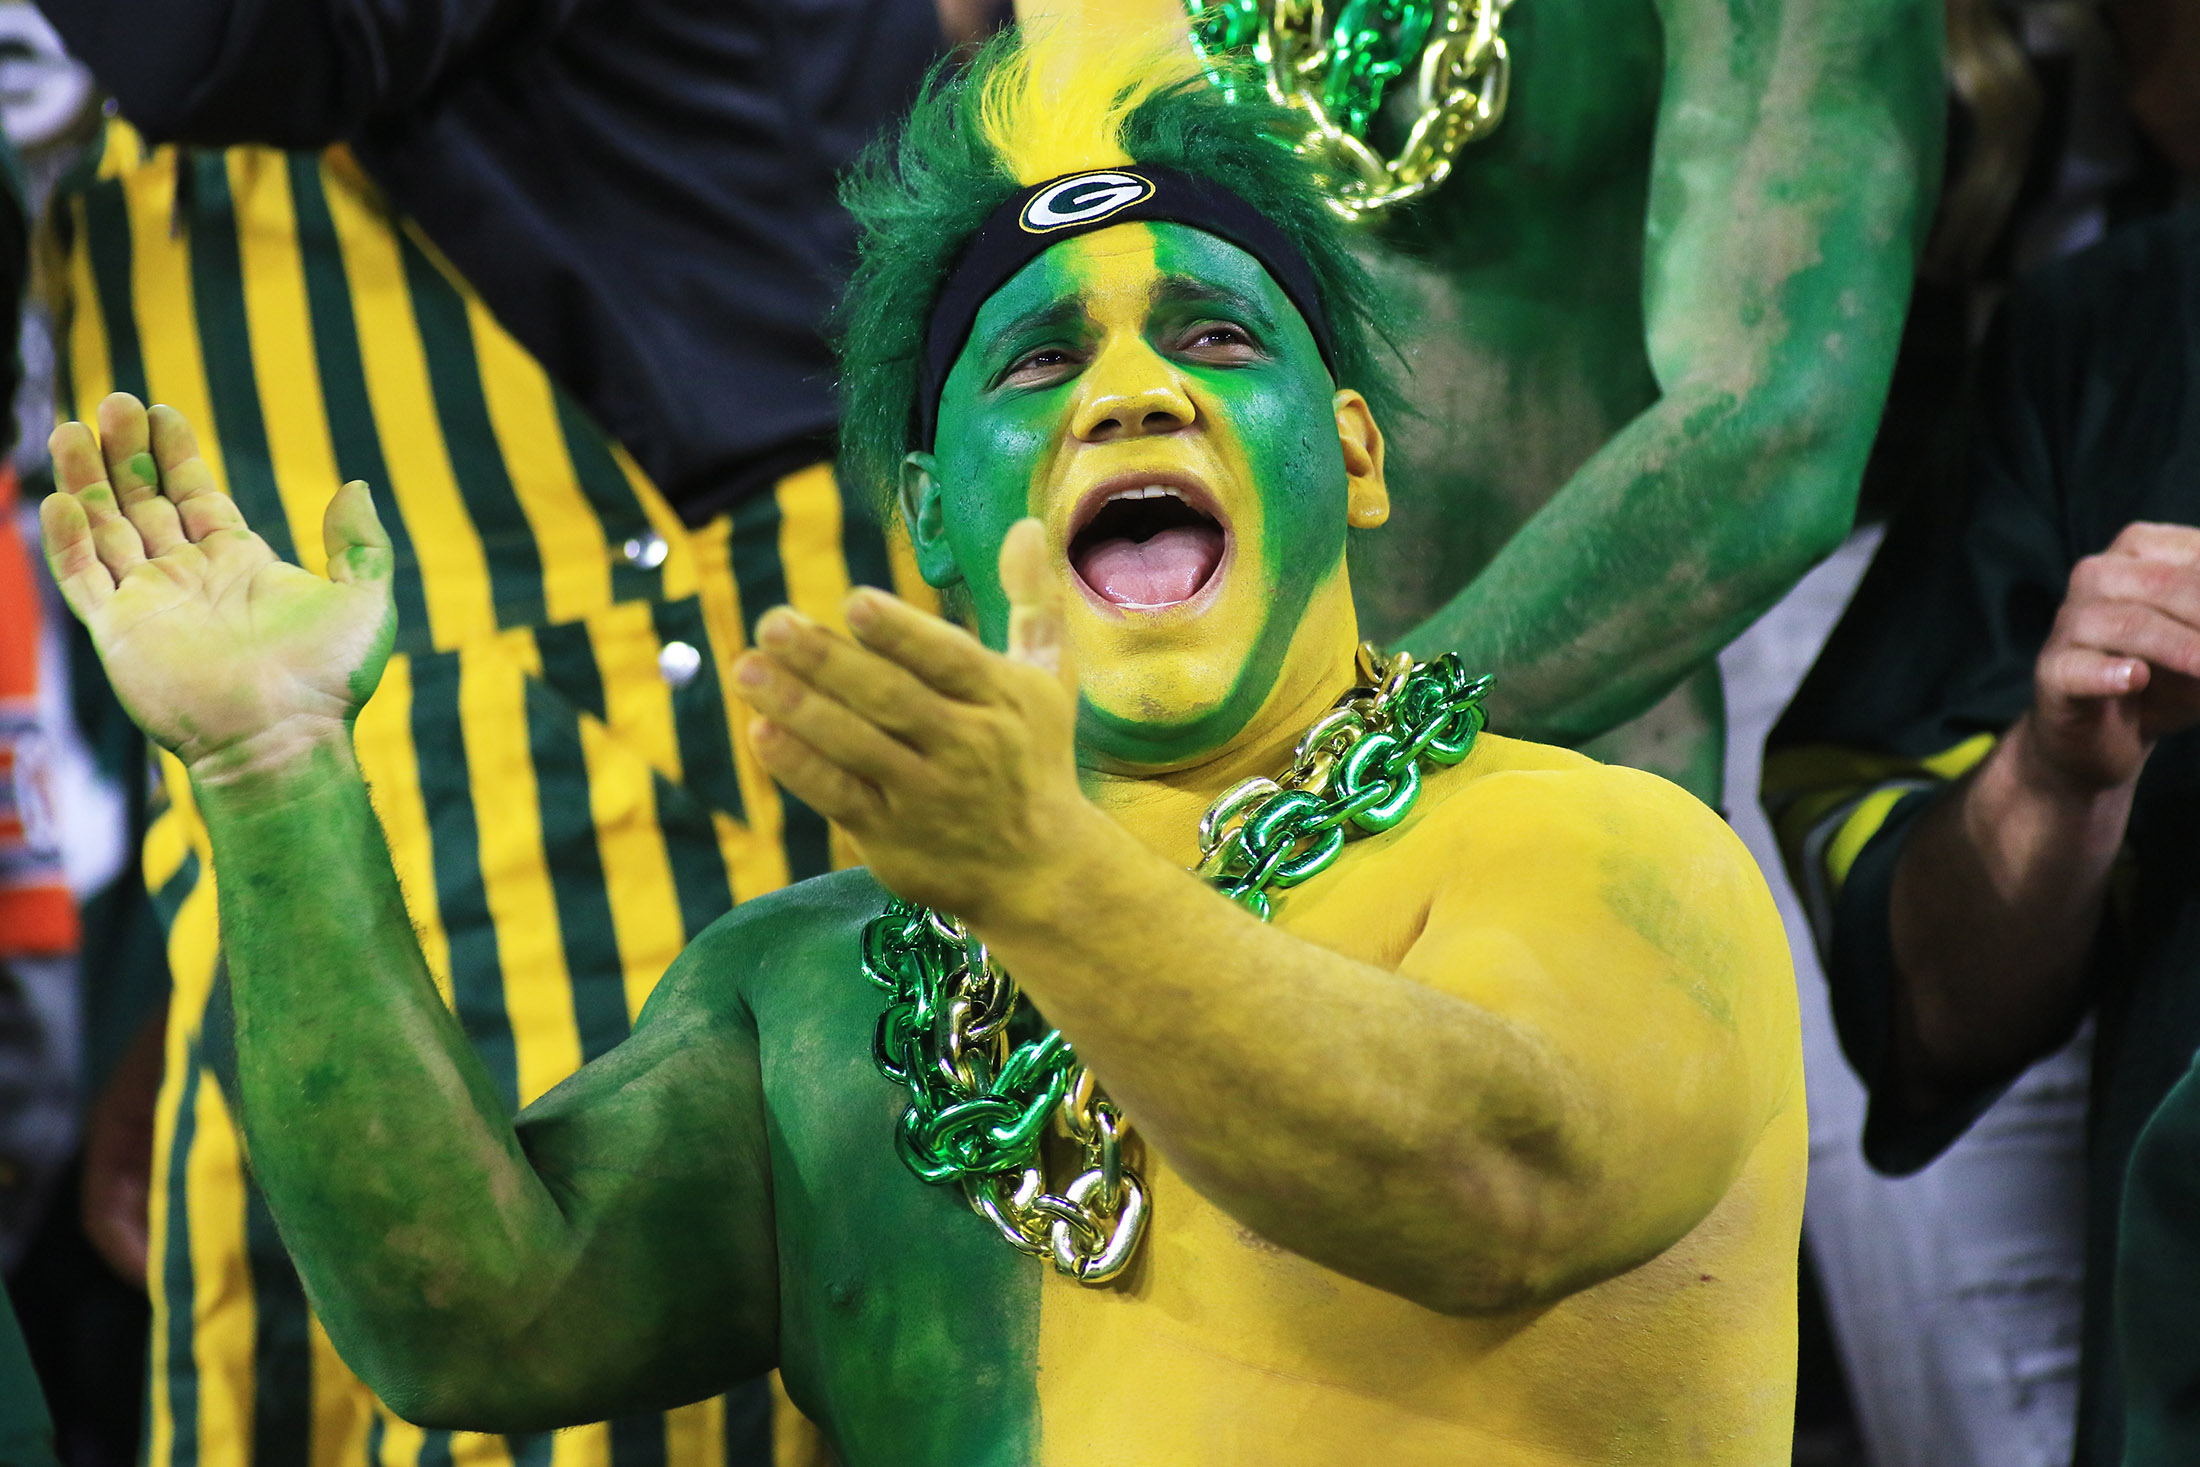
column 1169, row 568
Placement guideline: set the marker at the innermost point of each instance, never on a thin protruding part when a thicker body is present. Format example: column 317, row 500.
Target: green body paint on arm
column 1652, row 320
column 717, row 1195
column 610, row 1254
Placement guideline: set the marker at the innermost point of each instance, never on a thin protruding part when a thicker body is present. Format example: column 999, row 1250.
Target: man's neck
column 1163, row 810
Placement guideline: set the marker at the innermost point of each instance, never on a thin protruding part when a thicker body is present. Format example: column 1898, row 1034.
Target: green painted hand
column 227, row 656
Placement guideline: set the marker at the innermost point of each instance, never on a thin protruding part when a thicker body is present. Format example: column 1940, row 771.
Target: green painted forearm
column 1796, row 158
column 1657, row 553
column 388, row 1161
column 608, row 1252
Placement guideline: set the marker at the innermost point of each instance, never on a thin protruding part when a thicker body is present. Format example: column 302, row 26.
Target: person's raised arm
column 288, row 73
column 1797, row 149
column 1998, row 892
column 593, row 1260
column 1562, row 1076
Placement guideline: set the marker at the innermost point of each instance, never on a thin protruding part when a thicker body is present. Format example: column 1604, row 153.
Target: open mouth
column 1148, row 546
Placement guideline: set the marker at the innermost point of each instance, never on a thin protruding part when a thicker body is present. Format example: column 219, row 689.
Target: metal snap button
column 679, row 662
column 646, row 551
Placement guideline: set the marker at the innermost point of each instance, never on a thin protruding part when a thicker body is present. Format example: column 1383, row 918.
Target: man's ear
column 924, row 511
column 1367, row 502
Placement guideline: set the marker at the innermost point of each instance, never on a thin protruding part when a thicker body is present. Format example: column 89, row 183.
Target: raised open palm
column 220, row 651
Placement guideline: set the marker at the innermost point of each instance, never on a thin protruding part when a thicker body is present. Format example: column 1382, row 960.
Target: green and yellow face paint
column 1153, row 396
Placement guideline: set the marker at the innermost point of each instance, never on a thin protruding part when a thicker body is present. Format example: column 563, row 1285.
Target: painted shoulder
column 1496, row 754
column 1610, row 844
column 772, row 938
column 1513, row 794
column 1568, row 777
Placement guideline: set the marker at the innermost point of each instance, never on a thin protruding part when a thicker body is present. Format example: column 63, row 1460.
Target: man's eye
column 1036, row 368
column 1219, row 341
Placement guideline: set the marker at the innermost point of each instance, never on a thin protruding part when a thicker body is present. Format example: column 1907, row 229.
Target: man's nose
column 1131, row 391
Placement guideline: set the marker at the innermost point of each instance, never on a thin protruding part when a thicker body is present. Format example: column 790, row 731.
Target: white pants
column 1954, row 1294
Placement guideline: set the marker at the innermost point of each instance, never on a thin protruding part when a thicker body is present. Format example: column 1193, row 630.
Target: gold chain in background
column 1336, row 65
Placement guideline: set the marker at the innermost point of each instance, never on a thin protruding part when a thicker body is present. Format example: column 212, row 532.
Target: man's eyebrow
column 1187, row 290
column 1052, row 316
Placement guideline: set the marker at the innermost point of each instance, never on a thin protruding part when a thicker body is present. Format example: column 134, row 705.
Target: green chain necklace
column 1335, row 62
column 984, row 1072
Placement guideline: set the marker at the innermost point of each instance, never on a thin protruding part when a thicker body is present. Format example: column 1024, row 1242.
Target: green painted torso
column 1521, row 283
column 905, row 1323
column 1521, row 278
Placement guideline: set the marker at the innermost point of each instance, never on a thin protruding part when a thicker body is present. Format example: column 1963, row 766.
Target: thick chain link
column 1357, row 771
column 985, row 1075
column 1337, row 67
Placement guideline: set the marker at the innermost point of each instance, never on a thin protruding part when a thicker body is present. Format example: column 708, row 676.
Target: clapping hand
column 225, row 655
column 953, row 766
column 2122, row 666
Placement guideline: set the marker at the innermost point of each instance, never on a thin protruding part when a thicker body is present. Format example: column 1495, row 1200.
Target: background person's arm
column 118, row 1152
column 591, row 1259
column 1797, row 154
column 289, row 73
column 1998, row 892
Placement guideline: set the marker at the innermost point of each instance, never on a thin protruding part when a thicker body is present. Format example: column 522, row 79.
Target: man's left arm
column 1562, row 1077
column 1796, row 159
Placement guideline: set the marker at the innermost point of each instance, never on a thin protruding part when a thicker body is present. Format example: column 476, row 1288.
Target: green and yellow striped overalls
column 568, row 795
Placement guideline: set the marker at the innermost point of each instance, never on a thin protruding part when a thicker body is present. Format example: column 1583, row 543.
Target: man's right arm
column 1998, row 892
column 608, row 1254
column 611, row 1251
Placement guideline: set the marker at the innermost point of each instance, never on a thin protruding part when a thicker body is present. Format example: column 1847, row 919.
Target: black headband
column 1026, row 226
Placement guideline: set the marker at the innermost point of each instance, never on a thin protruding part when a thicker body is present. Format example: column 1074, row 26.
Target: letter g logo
column 1081, row 200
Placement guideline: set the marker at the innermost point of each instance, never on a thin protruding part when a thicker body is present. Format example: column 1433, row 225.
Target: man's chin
column 1154, row 704
column 1179, row 657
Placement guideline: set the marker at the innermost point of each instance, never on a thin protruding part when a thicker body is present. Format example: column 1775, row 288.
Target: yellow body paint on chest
column 1220, row 1349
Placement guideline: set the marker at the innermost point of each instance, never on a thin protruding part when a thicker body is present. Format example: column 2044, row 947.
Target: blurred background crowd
column 556, row 275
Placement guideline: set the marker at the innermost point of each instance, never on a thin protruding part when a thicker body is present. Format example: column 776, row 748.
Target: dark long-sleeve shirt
column 642, row 190
column 2089, row 419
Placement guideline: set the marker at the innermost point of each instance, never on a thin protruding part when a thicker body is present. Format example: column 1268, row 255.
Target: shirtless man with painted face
column 1487, row 1147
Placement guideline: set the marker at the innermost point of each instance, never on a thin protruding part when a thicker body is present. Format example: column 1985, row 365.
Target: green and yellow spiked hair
column 1022, row 111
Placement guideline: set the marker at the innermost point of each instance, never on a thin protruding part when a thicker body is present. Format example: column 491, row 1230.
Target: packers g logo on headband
column 1081, row 200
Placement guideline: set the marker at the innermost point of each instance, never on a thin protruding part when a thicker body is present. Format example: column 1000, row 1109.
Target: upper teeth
column 1150, row 491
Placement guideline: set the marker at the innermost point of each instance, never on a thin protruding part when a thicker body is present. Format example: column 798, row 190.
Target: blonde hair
column 1059, row 103
column 1993, row 78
